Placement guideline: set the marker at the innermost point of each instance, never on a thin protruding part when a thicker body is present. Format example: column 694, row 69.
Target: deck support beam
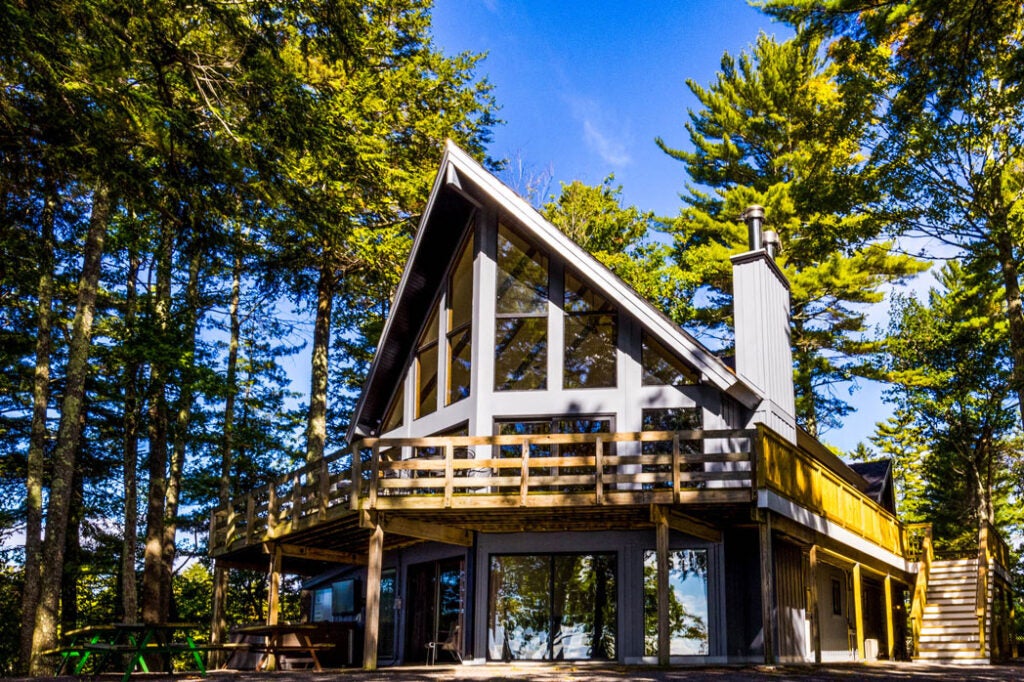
column 661, row 543
column 373, row 571
column 815, row 611
column 858, row 610
column 767, row 588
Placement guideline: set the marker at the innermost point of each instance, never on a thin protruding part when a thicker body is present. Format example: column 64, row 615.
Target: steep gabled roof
column 878, row 475
column 462, row 184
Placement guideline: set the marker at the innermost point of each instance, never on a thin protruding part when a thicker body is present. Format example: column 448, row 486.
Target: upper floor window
column 590, row 335
column 662, row 368
column 426, row 369
column 521, row 307
column 393, row 418
column 460, row 317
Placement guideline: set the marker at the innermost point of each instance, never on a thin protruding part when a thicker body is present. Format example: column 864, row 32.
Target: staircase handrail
column 924, row 565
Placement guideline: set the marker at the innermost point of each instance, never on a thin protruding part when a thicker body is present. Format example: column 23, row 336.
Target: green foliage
column 625, row 239
column 950, row 367
column 11, row 584
column 775, row 130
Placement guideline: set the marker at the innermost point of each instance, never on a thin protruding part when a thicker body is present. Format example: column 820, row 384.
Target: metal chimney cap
column 771, row 241
column 753, row 212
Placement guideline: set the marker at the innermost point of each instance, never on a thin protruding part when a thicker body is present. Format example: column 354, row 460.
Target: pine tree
column 952, row 126
column 774, row 130
column 622, row 238
column 949, row 362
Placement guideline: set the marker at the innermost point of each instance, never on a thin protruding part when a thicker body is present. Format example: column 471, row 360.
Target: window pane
column 581, row 298
column 394, row 417
column 426, row 381
column 688, row 602
column 459, row 351
column 661, row 368
column 430, row 331
column 520, row 354
column 523, row 428
column 590, row 351
column 522, row 282
column 519, row 608
column 386, row 643
column 583, row 600
column 460, row 289
column 552, row 606
column 671, row 419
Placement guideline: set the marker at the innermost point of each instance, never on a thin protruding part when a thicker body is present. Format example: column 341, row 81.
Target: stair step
column 949, row 608
column 948, row 638
column 952, row 580
column 945, row 563
column 957, row 628
column 950, row 600
column 950, row 653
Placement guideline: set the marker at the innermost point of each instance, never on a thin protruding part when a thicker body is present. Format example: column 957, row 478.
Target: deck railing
column 798, row 476
column 498, row 471
column 554, row 470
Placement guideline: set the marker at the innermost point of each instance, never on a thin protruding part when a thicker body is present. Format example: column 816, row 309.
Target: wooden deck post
column 661, row 541
column 274, row 597
column 812, row 579
column 890, row 630
column 373, row 598
column 858, row 611
column 274, row 591
column 767, row 589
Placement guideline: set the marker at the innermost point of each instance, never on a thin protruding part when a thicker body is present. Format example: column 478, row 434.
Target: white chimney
column 764, row 357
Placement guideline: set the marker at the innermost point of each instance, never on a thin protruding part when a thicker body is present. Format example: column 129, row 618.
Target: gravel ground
column 868, row 672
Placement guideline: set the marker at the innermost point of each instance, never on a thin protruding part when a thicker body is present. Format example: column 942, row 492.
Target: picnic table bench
column 132, row 644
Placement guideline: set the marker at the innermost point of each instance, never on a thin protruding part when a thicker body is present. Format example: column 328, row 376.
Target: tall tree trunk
column 72, row 557
column 1014, row 311
column 68, row 433
column 132, row 418
column 218, row 622
column 39, row 433
column 153, row 570
column 316, row 430
column 183, row 416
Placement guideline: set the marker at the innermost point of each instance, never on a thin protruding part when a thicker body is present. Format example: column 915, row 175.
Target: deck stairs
column 949, row 629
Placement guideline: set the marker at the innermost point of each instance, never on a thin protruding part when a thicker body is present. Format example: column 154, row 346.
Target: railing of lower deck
column 798, row 476
column 446, row 471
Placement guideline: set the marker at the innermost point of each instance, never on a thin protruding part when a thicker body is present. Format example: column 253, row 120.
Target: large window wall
column 552, row 607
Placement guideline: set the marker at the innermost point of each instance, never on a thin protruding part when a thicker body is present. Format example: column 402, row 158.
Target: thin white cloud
column 491, row 5
column 601, row 137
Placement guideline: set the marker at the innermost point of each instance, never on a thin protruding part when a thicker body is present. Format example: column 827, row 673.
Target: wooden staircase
column 949, row 629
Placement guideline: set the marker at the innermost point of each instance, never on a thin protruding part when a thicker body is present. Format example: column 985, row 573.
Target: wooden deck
column 455, row 485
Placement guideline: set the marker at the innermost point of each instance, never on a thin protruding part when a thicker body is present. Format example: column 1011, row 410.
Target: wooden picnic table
column 133, row 643
column 274, row 642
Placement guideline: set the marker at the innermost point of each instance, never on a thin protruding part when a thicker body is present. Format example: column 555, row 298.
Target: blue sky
column 586, row 87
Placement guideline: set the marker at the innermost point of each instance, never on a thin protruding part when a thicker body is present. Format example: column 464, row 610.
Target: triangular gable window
column 662, row 368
